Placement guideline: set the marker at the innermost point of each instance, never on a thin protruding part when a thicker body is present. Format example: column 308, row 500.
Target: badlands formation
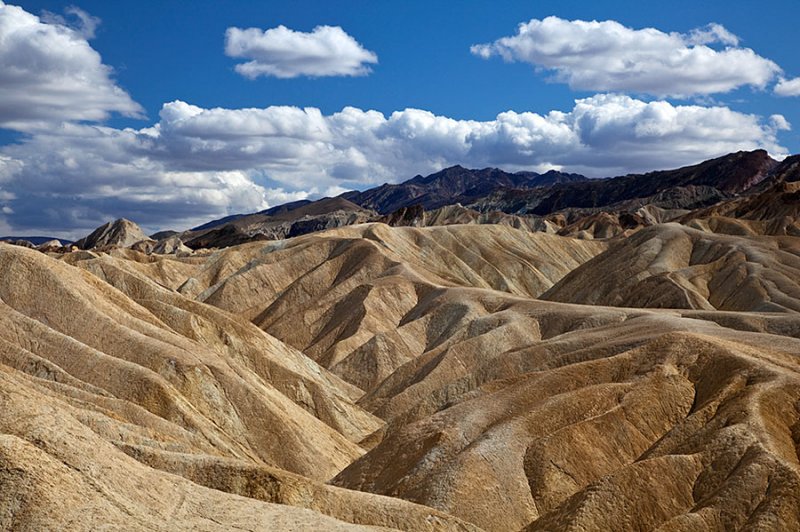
column 444, row 372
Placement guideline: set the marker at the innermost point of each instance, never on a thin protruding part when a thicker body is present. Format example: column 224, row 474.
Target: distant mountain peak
column 120, row 233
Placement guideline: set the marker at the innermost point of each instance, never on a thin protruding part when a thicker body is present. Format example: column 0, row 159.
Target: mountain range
column 568, row 204
column 549, row 201
column 453, row 185
column 530, row 193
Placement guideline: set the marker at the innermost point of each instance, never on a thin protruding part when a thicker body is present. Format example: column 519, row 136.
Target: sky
column 172, row 113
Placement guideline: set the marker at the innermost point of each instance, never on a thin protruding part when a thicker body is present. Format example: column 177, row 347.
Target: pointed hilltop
column 119, row 233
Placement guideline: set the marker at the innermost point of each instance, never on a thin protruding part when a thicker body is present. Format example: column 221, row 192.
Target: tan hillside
column 406, row 378
column 59, row 471
column 673, row 266
column 351, row 287
column 198, row 368
column 592, row 414
column 178, row 385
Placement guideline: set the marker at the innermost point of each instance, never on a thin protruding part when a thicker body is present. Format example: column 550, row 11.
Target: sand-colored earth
column 462, row 377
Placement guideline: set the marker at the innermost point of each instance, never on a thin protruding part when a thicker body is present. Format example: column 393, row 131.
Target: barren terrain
column 475, row 374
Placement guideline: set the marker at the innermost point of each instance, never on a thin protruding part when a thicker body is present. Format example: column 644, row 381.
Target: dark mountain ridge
column 283, row 221
column 452, row 185
column 717, row 179
column 297, row 209
column 491, row 189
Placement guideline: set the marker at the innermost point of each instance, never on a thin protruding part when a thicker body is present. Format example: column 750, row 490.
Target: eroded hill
column 483, row 373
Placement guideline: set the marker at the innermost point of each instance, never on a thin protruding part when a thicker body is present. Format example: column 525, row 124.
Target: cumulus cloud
column 788, row 87
column 712, row 33
column 76, row 177
column 607, row 56
column 284, row 53
column 196, row 163
column 606, row 132
column 49, row 73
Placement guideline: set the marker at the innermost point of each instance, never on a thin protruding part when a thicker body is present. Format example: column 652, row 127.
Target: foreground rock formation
column 462, row 377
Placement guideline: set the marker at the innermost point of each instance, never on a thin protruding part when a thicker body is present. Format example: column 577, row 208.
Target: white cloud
column 65, row 177
column 606, row 132
column 279, row 196
column 285, row 53
column 77, row 176
column 607, row 56
column 8, row 168
column 81, row 22
column 712, row 33
column 49, row 73
column 196, row 164
column 779, row 123
column 788, row 87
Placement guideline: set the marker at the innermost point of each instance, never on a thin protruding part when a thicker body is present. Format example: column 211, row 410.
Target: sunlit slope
column 673, row 266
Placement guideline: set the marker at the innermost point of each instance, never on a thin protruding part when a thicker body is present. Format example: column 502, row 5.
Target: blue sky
column 129, row 155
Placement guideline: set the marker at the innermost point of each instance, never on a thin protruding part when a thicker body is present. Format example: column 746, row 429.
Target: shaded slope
column 284, row 221
column 774, row 211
